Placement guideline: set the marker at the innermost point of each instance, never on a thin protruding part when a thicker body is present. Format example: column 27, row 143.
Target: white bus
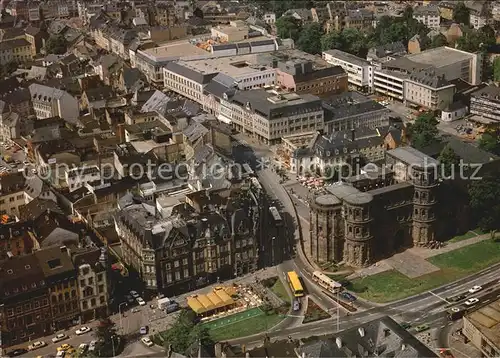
column 326, row 282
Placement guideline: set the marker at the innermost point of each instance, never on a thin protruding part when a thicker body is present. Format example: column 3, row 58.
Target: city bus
column 295, row 285
column 326, row 282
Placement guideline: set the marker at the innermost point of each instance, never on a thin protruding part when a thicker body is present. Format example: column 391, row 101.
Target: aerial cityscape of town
column 249, row 178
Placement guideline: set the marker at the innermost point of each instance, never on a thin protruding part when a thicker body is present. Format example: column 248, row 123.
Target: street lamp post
column 121, row 314
column 272, row 249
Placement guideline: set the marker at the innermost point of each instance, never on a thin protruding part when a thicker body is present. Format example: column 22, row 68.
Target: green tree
column 438, row 41
column 461, row 13
column 485, row 201
column 310, row 38
column 332, row 40
column 424, row 131
column 56, row 45
column 490, row 142
column 449, row 161
column 184, row 333
column 496, row 69
column 288, row 27
column 107, row 338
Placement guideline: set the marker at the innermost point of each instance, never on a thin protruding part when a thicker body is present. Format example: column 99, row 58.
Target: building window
column 92, row 302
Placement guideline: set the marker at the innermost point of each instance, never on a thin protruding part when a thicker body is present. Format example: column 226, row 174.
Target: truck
column 163, row 303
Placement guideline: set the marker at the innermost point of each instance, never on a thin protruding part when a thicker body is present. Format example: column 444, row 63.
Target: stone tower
column 326, row 229
column 358, row 250
column 425, row 182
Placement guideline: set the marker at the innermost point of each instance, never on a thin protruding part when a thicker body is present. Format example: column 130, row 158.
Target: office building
column 359, row 71
column 485, row 103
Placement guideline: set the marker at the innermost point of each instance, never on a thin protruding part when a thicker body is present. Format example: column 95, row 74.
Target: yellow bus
column 295, row 285
column 326, row 282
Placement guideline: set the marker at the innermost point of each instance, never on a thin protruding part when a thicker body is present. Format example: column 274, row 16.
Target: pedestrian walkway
column 427, row 253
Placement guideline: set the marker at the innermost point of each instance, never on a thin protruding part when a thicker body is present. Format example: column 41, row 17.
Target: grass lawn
column 245, row 327
column 393, row 285
column 280, row 290
column 314, row 312
column 467, row 235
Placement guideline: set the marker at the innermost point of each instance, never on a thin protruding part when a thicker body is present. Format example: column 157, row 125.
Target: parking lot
column 12, row 159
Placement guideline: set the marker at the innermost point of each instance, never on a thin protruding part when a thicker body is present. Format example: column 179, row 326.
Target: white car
column 59, row 337
column 82, row 348
column 134, row 294
column 475, row 289
column 140, row 301
column 471, row 301
column 92, row 345
column 148, row 342
column 36, row 345
column 83, row 330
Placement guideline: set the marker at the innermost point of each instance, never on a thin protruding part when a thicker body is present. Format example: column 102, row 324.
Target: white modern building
column 389, row 83
column 359, row 71
column 425, row 88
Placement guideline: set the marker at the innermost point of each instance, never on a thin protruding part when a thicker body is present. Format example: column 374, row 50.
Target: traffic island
column 314, row 312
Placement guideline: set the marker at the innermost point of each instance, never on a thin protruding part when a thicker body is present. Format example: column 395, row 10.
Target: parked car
column 83, row 330
column 92, row 345
column 82, row 348
column 64, row 347
column 59, row 337
column 140, row 301
column 296, row 305
column 172, row 307
column 471, row 301
column 129, row 299
column 36, row 345
column 143, row 330
column 60, row 354
column 348, row 296
column 18, row 352
column 134, row 294
column 422, row 327
column 475, row 289
column 147, row 342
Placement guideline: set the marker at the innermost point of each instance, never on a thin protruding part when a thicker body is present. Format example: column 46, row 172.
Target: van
column 174, row 306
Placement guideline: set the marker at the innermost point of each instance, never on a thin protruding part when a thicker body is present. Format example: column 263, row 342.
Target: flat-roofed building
column 389, row 83
column 482, row 328
column 486, row 103
column 151, row 61
column 452, row 63
column 269, row 115
column 359, row 71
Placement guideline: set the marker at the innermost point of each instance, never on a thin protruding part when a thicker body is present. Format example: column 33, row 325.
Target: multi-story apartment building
column 428, row 15
column 269, row 115
column 17, row 190
column 360, row 19
column 17, row 50
column 61, row 279
column 426, row 89
column 183, row 246
column 359, row 71
column 25, row 311
column 486, row 103
column 165, row 14
column 52, row 102
column 93, row 285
